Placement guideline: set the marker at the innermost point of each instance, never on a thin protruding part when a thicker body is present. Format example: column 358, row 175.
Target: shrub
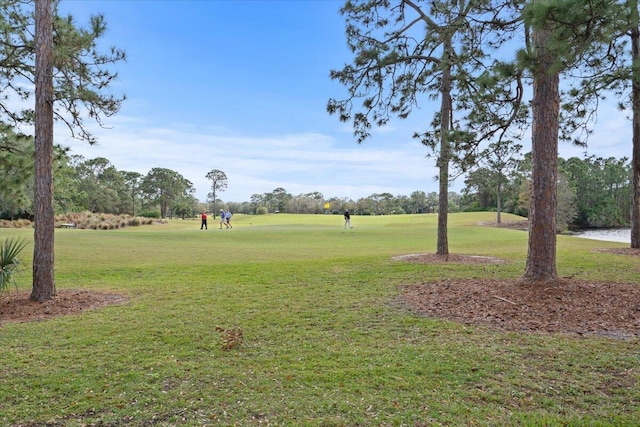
column 9, row 262
column 262, row 210
column 150, row 214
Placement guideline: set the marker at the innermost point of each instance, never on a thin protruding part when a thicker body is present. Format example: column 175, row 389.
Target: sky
column 242, row 86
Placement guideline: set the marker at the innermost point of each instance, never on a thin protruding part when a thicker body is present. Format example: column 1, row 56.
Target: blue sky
column 242, row 86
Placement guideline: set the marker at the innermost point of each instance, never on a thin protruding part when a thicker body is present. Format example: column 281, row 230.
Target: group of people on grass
column 225, row 219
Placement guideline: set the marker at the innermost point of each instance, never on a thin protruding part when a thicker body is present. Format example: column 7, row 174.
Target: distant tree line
column 592, row 192
column 95, row 185
column 280, row 201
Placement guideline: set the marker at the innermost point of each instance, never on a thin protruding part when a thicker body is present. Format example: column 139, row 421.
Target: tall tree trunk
column 445, row 151
column 541, row 257
column 443, row 198
column 43, row 256
column 163, row 206
column 215, row 211
column 499, row 202
column 635, row 159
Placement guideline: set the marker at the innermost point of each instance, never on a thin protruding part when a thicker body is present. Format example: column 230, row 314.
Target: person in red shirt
column 204, row 221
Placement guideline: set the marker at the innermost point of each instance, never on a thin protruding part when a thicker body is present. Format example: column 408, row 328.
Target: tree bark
column 163, row 207
column 445, row 150
column 213, row 191
column 499, row 201
column 541, row 257
column 635, row 158
column 43, row 252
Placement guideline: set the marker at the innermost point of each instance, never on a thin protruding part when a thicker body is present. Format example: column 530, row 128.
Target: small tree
column 280, row 197
column 219, row 183
column 165, row 187
column 500, row 159
column 132, row 181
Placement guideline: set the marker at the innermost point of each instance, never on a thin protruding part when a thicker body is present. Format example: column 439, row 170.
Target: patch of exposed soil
column 17, row 307
column 563, row 306
column 514, row 225
column 622, row 251
column 450, row 258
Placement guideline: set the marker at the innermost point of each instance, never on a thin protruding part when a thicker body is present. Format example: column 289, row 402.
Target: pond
column 610, row 235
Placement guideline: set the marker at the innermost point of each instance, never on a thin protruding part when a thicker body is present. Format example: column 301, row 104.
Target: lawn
column 327, row 341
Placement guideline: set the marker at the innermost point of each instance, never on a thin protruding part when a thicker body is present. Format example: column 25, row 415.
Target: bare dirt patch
column 564, row 306
column 17, row 307
column 451, row 258
column 622, row 251
column 513, row 225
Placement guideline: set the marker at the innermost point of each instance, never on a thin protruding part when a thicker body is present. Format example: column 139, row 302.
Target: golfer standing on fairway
column 204, row 221
column 222, row 219
column 347, row 219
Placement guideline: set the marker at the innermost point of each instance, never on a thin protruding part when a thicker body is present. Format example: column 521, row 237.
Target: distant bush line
column 87, row 220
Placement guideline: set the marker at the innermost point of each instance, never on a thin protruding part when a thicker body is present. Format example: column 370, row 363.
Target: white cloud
column 299, row 163
column 335, row 165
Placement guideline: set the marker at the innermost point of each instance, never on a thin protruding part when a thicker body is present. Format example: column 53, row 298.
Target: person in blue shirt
column 223, row 219
column 228, row 219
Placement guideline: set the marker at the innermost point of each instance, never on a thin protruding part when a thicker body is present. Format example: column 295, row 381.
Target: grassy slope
column 325, row 341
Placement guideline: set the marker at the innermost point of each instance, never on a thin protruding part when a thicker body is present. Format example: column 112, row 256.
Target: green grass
column 326, row 343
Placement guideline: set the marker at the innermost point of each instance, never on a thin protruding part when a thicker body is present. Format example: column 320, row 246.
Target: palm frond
column 9, row 261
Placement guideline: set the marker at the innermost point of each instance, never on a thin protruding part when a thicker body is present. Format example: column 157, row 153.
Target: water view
column 610, row 235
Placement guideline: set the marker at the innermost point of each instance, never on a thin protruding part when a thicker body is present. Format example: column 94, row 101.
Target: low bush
column 150, row 214
column 9, row 262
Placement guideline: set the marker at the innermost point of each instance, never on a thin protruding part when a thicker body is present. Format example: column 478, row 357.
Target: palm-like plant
column 9, row 261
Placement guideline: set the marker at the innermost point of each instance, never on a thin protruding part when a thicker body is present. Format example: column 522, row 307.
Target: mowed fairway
column 326, row 340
